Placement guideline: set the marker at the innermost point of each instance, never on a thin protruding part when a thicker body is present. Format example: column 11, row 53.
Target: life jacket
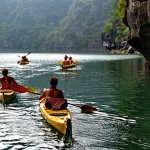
column 6, row 82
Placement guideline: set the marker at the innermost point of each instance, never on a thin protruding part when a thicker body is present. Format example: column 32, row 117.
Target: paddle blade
column 88, row 109
column 32, row 90
column 18, row 88
column 28, row 53
column 60, row 62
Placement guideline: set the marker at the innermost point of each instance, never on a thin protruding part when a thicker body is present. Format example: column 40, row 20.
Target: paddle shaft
column 74, row 105
column 84, row 108
column 25, row 55
column 28, row 53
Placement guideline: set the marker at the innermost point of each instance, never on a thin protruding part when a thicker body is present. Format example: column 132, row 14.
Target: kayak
column 24, row 63
column 7, row 96
column 68, row 66
column 59, row 119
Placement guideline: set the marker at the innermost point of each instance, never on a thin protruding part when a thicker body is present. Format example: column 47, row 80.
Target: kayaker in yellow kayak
column 52, row 91
column 66, row 61
column 6, row 80
column 24, row 59
column 71, row 61
column 54, row 97
column 9, row 82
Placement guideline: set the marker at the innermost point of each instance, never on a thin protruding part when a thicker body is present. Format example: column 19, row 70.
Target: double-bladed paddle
column 25, row 55
column 84, row 108
column 22, row 56
column 28, row 53
column 22, row 89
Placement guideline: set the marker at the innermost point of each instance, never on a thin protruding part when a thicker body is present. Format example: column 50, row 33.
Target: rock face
column 137, row 18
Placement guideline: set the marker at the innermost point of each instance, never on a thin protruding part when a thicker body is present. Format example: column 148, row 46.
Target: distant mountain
column 45, row 24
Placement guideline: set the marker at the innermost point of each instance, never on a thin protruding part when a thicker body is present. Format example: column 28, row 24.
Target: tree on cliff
column 114, row 27
column 82, row 26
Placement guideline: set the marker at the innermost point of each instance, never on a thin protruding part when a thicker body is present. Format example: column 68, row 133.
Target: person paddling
column 54, row 97
column 71, row 61
column 24, row 59
column 66, row 61
column 52, row 91
column 6, row 80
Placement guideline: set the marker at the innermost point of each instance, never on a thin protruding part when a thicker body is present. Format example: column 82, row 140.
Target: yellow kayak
column 68, row 66
column 59, row 119
column 6, row 96
column 24, row 63
column 72, row 65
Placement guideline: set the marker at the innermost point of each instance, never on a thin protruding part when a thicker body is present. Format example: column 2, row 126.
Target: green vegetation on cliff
column 47, row 24
column 114, row 28
column 25, row 23
column 83, row 24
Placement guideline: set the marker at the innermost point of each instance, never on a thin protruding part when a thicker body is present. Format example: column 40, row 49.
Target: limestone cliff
column 137, row 18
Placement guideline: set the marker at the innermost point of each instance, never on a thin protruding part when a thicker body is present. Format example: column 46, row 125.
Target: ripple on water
column 100, row 81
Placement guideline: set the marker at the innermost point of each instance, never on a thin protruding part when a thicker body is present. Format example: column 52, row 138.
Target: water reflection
column 115, row 84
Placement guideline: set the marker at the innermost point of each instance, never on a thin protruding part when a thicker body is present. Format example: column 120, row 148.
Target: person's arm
column 42, row 95
column 61, row 95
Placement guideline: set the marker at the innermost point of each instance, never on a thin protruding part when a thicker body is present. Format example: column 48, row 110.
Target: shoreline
column 123, row 52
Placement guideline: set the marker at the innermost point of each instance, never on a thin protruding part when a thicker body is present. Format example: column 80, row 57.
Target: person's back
column 66, row 62
column 70, row 60
column 52, row 91
column 24, row 59
column 54, row 97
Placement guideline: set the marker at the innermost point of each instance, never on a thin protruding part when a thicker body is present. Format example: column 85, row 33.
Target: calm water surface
column 115, row 84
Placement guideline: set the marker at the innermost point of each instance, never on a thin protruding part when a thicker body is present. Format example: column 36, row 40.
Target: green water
column 115, row 84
